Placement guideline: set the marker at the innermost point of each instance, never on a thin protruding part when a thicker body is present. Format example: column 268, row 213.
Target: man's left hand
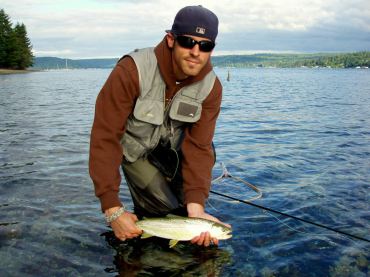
column 197, row 210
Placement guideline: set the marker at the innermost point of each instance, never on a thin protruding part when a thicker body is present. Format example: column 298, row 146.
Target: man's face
column 187, row 62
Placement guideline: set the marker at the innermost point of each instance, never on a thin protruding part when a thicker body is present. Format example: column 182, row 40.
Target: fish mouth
column 227, row 236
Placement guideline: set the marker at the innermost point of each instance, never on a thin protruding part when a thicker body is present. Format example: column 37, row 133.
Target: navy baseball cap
column 195, row 21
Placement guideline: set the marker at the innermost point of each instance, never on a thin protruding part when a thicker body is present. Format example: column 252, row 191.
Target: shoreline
column 4, row 71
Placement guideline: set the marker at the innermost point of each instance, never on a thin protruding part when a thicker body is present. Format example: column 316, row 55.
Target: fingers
column 207, row 239
column 204, row 239
column 124, row 227
column 125, row 235
column 195, row 239
column 215, row 241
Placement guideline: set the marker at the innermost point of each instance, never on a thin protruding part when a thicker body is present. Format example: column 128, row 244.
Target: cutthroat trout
column 181, row 228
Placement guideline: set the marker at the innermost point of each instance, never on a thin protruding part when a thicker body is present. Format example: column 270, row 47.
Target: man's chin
column 192, row 71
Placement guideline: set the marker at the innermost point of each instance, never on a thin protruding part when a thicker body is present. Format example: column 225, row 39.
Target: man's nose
column 195, row 50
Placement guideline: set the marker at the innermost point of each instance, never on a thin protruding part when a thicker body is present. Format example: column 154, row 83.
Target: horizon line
column 225, row 53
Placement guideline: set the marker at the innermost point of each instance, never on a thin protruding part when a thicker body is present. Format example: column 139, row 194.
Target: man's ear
column 170, row 40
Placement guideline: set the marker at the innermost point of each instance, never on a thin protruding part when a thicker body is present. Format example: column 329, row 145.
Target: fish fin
column 146, row 235
column 173, row 242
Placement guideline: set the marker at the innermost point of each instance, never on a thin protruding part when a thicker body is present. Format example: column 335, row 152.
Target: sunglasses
column 189, row 43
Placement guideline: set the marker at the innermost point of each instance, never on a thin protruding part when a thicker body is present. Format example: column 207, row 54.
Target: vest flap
column 149, row 110
column 185, row 110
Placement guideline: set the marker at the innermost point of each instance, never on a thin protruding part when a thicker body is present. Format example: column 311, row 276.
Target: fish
column 178, row 228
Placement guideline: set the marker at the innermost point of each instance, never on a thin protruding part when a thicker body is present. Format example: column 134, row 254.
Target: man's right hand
column 124, row 226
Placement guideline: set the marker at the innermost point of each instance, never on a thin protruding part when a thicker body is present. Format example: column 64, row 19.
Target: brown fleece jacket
column 116, row 102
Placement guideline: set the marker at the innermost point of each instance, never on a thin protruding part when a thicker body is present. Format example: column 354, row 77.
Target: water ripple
column 302, row 136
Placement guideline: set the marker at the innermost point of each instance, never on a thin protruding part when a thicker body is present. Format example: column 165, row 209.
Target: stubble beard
column 189, row 68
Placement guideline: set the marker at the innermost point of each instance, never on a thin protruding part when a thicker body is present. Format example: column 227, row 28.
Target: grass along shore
column 14, row 71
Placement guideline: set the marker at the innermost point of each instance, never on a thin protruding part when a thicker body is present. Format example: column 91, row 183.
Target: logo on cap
column 200, row 30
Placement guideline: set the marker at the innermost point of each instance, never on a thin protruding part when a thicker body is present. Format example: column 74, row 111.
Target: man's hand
column 124, row 226
column 197, row 210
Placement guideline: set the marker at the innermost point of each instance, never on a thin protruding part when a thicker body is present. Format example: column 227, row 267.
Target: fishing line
column 226, row 174
column 283, row 223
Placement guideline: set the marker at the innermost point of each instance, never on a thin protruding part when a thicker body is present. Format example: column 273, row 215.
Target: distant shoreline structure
column 329, row 60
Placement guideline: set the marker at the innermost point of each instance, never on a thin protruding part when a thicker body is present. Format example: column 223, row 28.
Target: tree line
column 344, row 60
column 334, row 60
column 15, row 46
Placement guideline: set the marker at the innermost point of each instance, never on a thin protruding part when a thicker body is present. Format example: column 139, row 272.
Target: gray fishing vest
column 151, row 120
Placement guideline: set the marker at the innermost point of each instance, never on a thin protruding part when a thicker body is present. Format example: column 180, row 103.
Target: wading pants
column 151, row 192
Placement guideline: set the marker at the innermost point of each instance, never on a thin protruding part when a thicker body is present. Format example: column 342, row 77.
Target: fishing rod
column 226, row 174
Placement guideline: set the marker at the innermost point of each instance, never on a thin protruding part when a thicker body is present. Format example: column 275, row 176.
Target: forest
column 333, row 60
column 15, row 46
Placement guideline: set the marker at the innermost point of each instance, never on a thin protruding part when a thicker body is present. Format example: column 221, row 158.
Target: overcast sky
column 111, row 28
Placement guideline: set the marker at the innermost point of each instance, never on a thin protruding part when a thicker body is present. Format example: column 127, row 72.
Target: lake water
column 302, row 136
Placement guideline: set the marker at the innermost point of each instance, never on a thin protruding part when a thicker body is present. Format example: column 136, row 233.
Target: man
column 156, row 116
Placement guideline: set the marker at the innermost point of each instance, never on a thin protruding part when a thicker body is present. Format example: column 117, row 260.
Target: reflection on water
column 153, row 257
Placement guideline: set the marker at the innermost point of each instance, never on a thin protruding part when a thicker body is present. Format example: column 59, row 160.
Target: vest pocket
column 132, row 149
column 149, row 110
column 186, row 110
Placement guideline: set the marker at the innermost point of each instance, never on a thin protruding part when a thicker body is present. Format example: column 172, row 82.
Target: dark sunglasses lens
column 186, row 42
column 206, row 46
column 189, row 43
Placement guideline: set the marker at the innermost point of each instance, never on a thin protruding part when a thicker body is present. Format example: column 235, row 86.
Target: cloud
column 272, row 15
column 304, row 26
column 88, row 28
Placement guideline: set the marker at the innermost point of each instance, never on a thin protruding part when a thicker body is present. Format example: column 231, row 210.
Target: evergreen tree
column 5, row 37
column 15, row 46
column 22, row 57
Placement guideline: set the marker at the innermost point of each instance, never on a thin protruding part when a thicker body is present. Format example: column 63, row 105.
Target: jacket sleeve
column 198, row 157
column 114, row 104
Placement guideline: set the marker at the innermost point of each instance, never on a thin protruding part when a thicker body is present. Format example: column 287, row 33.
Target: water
column 302, row 136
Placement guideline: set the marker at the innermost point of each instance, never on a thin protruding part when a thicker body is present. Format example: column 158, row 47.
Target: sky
column 112, row 28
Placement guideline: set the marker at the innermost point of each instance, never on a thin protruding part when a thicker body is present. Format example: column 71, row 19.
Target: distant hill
column 58, row 63
column 335, row 60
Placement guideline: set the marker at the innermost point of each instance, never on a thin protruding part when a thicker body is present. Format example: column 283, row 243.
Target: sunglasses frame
column 189, row 43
